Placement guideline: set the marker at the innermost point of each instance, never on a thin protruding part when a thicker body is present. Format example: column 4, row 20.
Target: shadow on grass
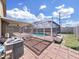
column 75, row 48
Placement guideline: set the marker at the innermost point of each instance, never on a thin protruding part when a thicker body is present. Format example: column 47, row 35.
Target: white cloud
column 25, row 14
column 61, row 6
column 64, row 12
column 21, row 14
column 41, row 16
column 20, row 3
column 42, row 7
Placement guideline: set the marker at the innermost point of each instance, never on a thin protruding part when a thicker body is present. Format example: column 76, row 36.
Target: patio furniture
column 7, row 35
column 58, row 38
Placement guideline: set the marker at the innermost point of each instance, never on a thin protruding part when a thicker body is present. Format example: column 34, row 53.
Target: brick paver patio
column 54, row 51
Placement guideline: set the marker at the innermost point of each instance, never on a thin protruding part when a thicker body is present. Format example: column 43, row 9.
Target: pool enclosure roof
column 46, row 23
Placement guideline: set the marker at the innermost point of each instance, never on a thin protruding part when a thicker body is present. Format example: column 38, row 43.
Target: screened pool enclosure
column 46, row 28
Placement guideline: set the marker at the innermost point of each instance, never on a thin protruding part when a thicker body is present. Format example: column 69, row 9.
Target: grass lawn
column 70, row 41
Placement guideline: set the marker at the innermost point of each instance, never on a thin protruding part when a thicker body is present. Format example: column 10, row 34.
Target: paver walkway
column 54, row 51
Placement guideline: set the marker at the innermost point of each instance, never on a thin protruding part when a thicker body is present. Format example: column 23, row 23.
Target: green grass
column 70, row 41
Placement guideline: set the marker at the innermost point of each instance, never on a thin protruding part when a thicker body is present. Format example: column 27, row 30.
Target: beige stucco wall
column 0, row 27
column 4, row 28
column 2, row 13
column 1, row 9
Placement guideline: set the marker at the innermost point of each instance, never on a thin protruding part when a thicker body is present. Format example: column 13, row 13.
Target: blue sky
column 31, row 10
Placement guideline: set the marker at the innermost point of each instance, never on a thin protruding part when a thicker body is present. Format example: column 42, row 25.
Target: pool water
column 40, row 34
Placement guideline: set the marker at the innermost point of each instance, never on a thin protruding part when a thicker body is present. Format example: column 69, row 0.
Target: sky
column 36, row 10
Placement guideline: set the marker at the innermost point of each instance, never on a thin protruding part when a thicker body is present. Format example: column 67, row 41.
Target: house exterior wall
column 0, row 27
column 4, row 28
column 2, row 12
column 2, row 8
